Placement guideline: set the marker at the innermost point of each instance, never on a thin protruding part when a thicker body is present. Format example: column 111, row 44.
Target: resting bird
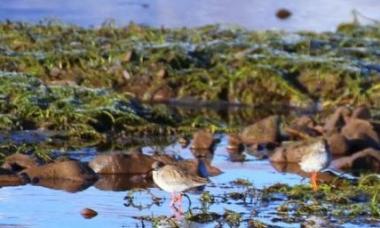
column 317, row 158
column 175, row 180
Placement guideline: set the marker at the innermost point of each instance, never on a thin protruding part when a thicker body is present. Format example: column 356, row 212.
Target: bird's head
column 157, row 165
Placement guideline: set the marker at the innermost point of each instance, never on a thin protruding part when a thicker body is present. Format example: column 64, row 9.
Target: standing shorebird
column 175, row 180
column 317, row 158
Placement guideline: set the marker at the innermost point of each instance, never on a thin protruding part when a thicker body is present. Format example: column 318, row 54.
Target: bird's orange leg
column 177, row 198
column 314, row 183
column 180, row 198
column 178, row 211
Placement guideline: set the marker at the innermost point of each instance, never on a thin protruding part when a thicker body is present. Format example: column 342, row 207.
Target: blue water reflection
column 318, row 15
column 37, row 206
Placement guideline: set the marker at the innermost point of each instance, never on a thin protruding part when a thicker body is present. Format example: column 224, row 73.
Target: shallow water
column 319, row 15
column 38, row 206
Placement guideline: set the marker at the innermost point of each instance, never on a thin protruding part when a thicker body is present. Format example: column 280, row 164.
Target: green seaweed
column 341, row 201
column 79, row 111
column 240, row 66
column 84, row 80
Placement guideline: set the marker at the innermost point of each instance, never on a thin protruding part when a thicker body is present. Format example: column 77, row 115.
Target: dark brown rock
column 17, row 162
column 6, row 171
column 9, row 178
column 68, row 170
column 298, row 133
column 192, row 166
column 318, row 128
column 303, row 121
column 88, row 213
column 302, row 128
column 235, row 144
column 164, row 158
column 118, row 163
column 338, row 144
column 202, row 139
column 283, row 14
column 337, row 120
column 361, row 134
column 361, row 112
column 67, row 185
column 293, row 151
column 202, row 154
column 260, row 151
column 376, row 126
column 264, row 131
column 236, row 157
column 367, row 159
column 122, row 182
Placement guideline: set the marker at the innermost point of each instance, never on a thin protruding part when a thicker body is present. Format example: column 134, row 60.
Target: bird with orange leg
column 317, row 158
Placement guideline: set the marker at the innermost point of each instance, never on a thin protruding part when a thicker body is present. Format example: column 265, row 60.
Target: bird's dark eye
column 157, row 165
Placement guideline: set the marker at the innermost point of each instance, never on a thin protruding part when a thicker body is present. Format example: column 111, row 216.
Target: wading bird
column 175, row 180
column 316, row 158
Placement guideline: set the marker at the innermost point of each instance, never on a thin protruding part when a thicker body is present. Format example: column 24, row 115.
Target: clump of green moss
column 232, row 218
column 252, row 223
column 30, row 104
column 159, row 221
column 242, row 182
column 207, row 198
column 203, row 217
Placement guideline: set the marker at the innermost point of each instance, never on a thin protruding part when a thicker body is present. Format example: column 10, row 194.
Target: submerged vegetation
column 334, row 204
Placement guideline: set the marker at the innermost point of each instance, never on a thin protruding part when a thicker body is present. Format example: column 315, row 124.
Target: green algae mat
column 91, row 80
column 240, row 66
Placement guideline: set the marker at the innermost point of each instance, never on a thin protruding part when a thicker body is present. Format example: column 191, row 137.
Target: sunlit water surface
column 37, row 206
column 318, row 15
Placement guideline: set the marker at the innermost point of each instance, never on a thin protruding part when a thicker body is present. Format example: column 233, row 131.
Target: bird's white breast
column 317, row 159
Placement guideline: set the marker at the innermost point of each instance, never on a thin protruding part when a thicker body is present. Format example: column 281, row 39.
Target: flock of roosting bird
column 347, row 139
